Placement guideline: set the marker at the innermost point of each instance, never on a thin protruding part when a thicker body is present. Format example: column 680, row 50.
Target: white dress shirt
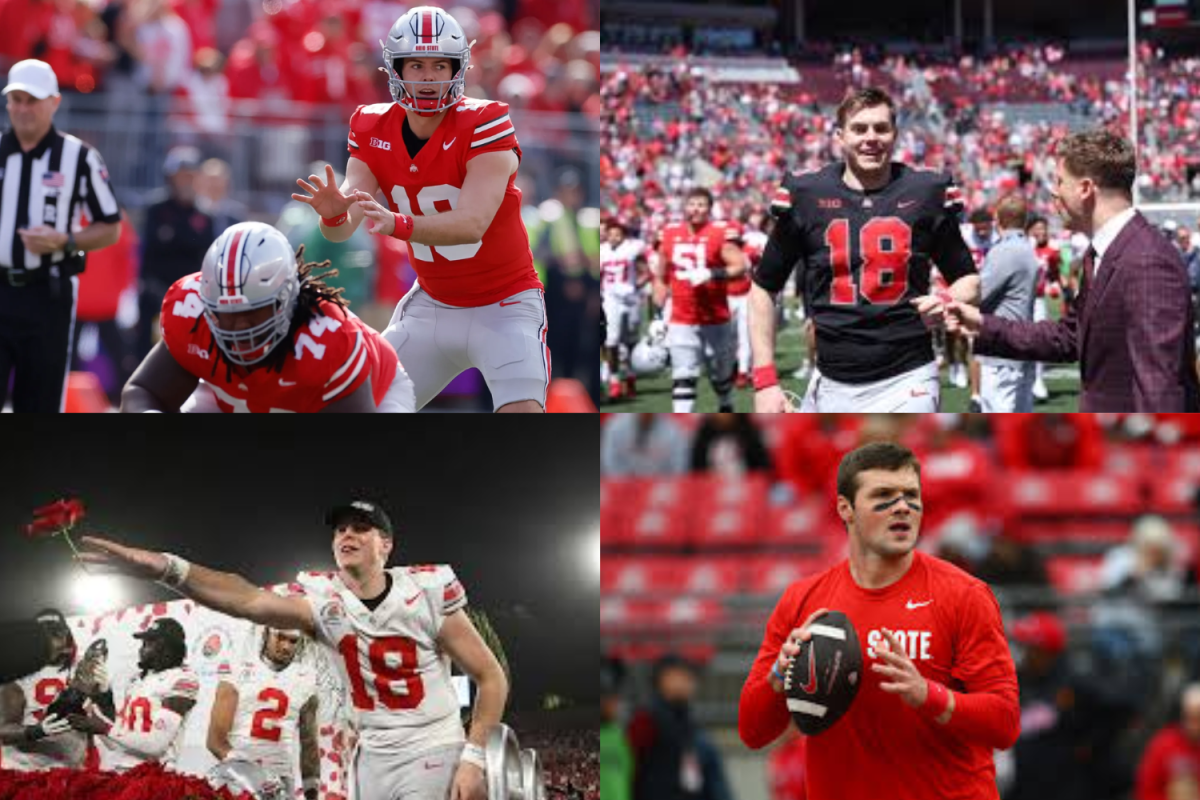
column 1107, row 233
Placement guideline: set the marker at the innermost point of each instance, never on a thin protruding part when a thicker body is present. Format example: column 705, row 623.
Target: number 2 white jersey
column 267, row 721
column 66, row 750
column 142, row 710
column 397, row 677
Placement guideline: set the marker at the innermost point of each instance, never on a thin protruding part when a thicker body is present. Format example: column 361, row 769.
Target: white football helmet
column 249, row 266
column 650, row 354
column 425, row 32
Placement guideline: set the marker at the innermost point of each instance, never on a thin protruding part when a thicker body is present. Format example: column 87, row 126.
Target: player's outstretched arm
column 226, row 592
column 310, row 750
column 158, row 384
column 966, row 289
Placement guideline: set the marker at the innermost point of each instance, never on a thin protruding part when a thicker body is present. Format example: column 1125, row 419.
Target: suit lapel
column 1112, row 257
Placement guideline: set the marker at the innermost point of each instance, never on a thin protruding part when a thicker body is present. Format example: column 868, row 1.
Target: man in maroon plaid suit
column 1132, row 326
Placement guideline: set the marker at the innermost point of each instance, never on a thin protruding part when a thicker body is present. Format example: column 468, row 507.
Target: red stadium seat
column 1072, row 492
column 614, row 512
column 644, row 576
column 1174, row 493
column 712, row 576
column 771, row 575
column 659, row 515
column 728, row 512
column 1101, row 532
column 806, row 524
column 1074, row 574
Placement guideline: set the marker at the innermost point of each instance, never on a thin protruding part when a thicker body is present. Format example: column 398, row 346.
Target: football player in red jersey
column 446, row 166
column 287, row 340
column 699, row 256
column 863, row 234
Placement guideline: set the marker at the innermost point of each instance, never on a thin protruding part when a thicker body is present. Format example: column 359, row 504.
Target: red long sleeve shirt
column 949, row 624
column 1169, row 757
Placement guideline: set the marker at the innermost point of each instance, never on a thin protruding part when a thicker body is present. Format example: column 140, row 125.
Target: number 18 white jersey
column 267, row 720
column 396, row 676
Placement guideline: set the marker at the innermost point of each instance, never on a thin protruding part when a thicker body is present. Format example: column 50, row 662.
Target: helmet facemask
column 426, row 32
column 250, row 266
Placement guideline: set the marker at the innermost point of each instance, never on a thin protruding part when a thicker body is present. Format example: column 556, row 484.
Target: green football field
column 654, row 392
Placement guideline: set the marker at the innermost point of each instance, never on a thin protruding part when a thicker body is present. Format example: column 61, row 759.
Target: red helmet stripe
column 231, row 265
column 426, row 26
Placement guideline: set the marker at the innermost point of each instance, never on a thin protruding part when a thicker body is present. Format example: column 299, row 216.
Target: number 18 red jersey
column 469, row 275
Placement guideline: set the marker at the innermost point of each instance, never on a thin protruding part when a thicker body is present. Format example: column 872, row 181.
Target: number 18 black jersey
column 862, row 257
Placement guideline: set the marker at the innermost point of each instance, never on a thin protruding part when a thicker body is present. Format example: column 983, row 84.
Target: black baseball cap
column 164, row 628
column 363, row 511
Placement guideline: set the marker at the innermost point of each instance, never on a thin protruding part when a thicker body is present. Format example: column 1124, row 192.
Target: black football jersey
column 862, row 257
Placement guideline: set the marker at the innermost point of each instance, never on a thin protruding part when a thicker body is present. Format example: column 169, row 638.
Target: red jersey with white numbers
column 468, row 275
column 330, row 358
column 685, row 249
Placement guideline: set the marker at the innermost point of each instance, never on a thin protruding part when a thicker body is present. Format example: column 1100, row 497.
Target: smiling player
column 939, row 690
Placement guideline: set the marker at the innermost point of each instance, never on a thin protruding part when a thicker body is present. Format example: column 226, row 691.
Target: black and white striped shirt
column 50, row 185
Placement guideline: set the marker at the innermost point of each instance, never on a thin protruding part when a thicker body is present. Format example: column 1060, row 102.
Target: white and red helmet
column 249, row 266
column 426, row 32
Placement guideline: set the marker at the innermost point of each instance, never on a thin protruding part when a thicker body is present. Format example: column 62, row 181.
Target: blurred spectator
column 207, row 89
column 176, row 236
column 1150, row 567
column 729, row 445
column 1170, row 765
column 1189, row 248
column 616, row 759
column 674, row 756
column 212, row 196
column 811, row 447
column 1011, row 563
column 26, row 24
column 1068, row 725
column 787, row 766
column 643, row 444
column 1049, row 441
column 163, row 46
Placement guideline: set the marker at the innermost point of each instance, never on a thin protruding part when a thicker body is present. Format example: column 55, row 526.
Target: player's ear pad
column 823, row 679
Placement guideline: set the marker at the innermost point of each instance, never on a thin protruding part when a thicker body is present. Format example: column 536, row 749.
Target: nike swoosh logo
column 412, row 599
column 446, row 146
column 905, row 203
column 513, row 303
column 911, row 605
column 282, row 382
column 811, row 686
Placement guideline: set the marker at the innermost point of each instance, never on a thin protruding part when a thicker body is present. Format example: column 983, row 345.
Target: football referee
column 48, row 180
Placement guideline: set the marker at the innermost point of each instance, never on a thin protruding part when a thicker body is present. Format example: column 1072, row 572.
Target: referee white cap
column 33, row 76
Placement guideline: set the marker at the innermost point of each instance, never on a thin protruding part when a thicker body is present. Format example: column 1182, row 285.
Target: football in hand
column 822, row 680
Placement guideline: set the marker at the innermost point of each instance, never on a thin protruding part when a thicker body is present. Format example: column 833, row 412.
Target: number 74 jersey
column 468, row 275
column 396, row 676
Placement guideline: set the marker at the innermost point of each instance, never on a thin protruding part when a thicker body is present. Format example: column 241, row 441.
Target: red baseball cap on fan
column 1041, row 629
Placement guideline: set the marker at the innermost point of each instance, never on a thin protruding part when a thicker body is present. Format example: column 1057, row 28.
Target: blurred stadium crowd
column 206, row 111
column 1085, row 526
column 571, row 763
column 991, row 121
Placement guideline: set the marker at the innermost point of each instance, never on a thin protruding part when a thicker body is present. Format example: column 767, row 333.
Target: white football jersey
column 65, row 750
column 619, row 267
column 143, row 708
column 266, row 724
column 397, row 678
